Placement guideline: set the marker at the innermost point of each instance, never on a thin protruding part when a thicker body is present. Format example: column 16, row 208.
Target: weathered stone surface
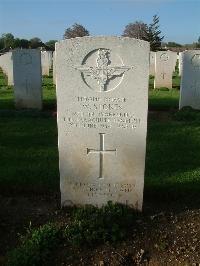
column 164, row 69
column 180, row 63
column 190, row 81
column 27, row 78
column 174, row 55
column 46, row 61
column 50, row 59
column 54, row 67
column 152, row 63
column 102, row 97
column 6, row 63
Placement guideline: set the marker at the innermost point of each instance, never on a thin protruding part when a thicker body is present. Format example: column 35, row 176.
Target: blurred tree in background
column 76, row 30
column 142, row 31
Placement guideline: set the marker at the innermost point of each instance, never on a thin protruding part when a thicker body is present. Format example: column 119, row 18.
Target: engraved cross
column 102, row 151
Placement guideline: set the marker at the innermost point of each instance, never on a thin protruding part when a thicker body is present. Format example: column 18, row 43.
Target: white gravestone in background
column 9, row 68
column 180, row 63
column 50, row 54
column 102, row 98
column 174, row 55
column 164, row 68
column 54, row 67
column 46, row 62
column 190, row 81
column 6, row 63
column 27, row 78
column 152, row 63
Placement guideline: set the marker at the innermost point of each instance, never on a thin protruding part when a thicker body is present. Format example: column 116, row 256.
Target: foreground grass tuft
column 36, row 246
column 89, row 226
column 93, row 226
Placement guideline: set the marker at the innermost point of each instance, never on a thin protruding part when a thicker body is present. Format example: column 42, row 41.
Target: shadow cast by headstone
column 7, row 104
column 172, row 175
column 49, row 105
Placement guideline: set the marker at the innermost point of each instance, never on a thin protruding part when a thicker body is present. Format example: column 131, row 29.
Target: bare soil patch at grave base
column 166, row 235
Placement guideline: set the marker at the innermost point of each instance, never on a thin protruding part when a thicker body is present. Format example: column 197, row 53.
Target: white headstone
column 54, row 67
column 164, row 69
column 46, row 61
column 190, row 81
column 50, row 53
column 152, row 64
column 6, row 63
column 102, row 95
column 174, row 55
column 180, row 63
column 27, row 78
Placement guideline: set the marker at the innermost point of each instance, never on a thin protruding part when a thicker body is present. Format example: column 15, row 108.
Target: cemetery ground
column 166, row 233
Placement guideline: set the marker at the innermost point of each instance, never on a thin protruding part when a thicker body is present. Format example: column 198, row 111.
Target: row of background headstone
column 190, row 79
column 46, row 62
column 162, row 65
column 24, row 69
column 157, row 68
column 6, row 63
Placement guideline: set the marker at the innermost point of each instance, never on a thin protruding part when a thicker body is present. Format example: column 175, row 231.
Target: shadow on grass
column 29, row 154
column 7, row 104
column 173, row 163
column 163, row 99
column 29, row 157
column 174, row 197
column 49, row 105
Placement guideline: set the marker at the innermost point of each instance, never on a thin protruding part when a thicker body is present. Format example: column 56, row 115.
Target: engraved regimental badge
column 102, row 70
column 164, row 57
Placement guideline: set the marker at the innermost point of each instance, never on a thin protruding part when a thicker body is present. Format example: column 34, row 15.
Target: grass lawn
column 6, row 93
column 173, row 159
column 160, row 100
column 164, row 99
column 29, row 155
column 49, row 92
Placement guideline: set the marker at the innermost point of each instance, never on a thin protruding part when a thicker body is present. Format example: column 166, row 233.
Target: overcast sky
column 47, row 19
